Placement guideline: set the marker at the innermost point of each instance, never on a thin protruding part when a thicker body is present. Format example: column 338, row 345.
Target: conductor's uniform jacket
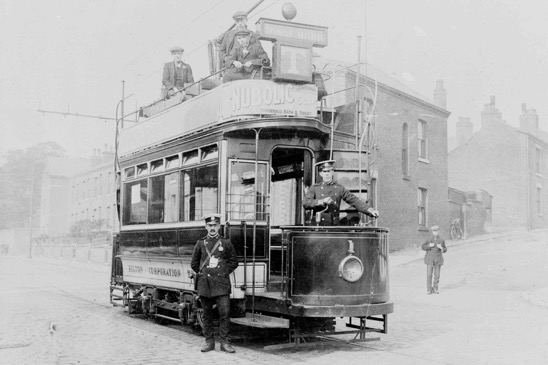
column 319, row 191
column 213, row 281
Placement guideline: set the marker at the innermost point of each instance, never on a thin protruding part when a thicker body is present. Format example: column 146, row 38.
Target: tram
column 246, row 149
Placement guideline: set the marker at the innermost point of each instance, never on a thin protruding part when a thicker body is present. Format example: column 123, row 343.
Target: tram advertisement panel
column 266, row 97
column 169, row 273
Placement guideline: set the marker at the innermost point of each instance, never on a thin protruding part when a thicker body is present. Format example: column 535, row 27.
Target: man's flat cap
column 176, row 49
column 239, row 14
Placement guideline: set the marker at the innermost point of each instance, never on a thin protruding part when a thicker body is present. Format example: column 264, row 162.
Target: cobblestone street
column 490, row 311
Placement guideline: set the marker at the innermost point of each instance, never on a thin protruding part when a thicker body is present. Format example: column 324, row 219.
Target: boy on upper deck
column 246, row 58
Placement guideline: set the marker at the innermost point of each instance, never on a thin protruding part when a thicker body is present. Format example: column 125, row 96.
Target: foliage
column 20, row 179
column 88, row 228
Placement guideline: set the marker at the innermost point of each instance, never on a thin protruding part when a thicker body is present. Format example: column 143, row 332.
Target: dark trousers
column 432, row 270
column 223, row 307
column 233, row 74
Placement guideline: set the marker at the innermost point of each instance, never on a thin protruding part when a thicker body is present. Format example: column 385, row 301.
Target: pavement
column 537, row 297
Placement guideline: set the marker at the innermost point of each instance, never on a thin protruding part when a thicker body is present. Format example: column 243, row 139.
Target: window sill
column 406, row 177
column 423, row 228
column 424, row 160
column 540, row 175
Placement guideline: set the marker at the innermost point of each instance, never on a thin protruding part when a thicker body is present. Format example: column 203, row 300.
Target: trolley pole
column 122, row 106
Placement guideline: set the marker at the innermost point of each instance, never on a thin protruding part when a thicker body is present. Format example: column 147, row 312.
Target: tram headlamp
column 351, row 268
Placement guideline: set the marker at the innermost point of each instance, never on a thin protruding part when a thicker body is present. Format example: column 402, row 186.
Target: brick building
column 510, row 163
column 409, row 177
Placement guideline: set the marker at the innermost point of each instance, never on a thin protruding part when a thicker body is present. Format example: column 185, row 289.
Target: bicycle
column 456, row 230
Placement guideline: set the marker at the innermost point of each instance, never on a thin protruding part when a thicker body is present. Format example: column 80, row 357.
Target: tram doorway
column 291, row 175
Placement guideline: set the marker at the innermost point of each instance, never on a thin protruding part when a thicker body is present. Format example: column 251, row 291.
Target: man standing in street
column 176, row 73
column 213, row 259
column 325, row 198
column 434, row 247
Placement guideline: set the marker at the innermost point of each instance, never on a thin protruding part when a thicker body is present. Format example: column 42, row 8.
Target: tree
column 20, row 179
column 88, row 229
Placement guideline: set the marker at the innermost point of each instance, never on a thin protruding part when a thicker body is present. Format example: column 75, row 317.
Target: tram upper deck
column 282, row 104
column 285, row 95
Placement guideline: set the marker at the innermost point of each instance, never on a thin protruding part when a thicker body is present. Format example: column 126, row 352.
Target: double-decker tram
column 246, row 149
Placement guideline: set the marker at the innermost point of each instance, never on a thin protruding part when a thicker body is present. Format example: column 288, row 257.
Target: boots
column 208, row 346
column 227, row 348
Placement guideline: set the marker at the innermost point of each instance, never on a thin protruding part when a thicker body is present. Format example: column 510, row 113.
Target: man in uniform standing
column 434, row 247
column 325, row 198
column 213, row 259
column 176, row 73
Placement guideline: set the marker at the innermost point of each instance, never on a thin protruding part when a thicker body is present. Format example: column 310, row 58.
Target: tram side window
column 135, row 202
column 199, row 192
column 164, row 199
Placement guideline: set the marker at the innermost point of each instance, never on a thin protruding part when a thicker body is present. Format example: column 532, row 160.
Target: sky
column 72, row 55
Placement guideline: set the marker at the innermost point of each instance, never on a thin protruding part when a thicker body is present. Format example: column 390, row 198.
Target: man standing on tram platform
column 245, row 59
column 325, row 198
column 213, row 259
column 228, row 40
column 176, row 73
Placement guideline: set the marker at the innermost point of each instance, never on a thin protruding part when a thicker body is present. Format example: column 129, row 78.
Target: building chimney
column 95, row 157
column 107, row 155
column 490, row 115
column 440, row 95
column 528, row 120
column 465, row 129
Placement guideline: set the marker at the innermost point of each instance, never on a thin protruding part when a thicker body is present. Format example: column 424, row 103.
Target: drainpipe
column 528, row 180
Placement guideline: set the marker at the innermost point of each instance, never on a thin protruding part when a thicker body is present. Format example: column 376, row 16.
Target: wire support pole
column 255, row 195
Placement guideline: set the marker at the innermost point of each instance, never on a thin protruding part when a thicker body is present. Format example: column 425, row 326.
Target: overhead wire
column 157, row 73
column 165, row 39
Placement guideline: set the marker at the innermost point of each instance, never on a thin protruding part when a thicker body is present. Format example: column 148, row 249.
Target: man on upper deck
column 325, row 198
column 227, row 41
column 176, row 73
column 245, row 59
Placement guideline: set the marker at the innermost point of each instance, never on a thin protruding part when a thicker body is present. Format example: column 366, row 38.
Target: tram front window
column 241, row 204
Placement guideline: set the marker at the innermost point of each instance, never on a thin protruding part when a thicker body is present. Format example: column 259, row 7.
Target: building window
column 405, row 151
column 422, row 139
column 372, row 194
column 107, row 218
column 539, row 200
column 538, row 161
column 422, row 205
